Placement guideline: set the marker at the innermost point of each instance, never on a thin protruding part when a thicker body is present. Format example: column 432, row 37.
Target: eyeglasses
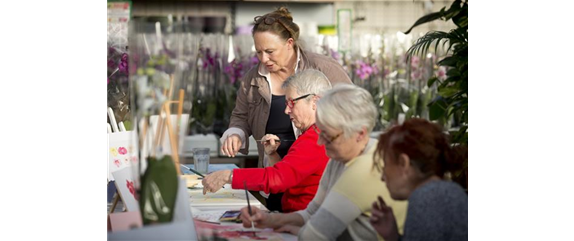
column 270, row 20
column 267, row 20
column 328, row 139
column 291, row 103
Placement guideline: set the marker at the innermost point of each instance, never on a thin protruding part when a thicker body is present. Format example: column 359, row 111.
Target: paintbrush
column 196, row 172
column 277, row 140
column 191, row 170
column 249, row 206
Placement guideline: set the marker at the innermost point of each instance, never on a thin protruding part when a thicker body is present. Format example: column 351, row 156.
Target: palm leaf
column 461, row 18
column 453, row 11
column 422, row 44
column 427, row 18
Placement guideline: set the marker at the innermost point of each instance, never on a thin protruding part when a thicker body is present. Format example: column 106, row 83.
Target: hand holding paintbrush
column 199, row 174
column 249, row 207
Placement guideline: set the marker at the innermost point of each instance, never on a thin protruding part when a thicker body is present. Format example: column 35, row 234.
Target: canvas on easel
column 122, row 151
column 122, row 154
column 124, row 180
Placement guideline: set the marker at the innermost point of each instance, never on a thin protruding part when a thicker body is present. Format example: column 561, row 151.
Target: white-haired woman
column 298, row 173
column 341, row 208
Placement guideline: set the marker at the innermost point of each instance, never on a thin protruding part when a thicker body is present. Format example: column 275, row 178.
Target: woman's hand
column 260, row 218
column 383, row 220
column 270, row 143
column 215, row 180
column 231, row 145
column 292, row 229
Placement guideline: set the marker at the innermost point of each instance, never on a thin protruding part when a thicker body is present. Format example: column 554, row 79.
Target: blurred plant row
column 208, row 67
column 398, row 84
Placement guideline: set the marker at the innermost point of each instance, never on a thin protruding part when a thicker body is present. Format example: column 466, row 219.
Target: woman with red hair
column 418, row 158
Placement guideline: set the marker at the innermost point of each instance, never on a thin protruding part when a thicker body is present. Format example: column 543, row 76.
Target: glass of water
column 201, row 159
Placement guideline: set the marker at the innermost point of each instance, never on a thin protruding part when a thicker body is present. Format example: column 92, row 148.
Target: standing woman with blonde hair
column 260, row 104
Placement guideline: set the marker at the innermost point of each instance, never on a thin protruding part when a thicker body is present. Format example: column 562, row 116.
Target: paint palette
column 191, row 180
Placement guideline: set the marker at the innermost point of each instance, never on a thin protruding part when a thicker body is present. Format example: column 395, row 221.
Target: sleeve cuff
column 304, row 214
column 231, row 131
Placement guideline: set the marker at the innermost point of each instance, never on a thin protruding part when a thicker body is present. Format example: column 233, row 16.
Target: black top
column 279, row 124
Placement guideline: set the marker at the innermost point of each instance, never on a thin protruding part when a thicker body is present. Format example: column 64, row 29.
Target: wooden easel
column 115, row 200
column 173, row 139
column 162, row 125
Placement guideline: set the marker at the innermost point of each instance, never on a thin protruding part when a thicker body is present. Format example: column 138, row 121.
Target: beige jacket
column 253, row 100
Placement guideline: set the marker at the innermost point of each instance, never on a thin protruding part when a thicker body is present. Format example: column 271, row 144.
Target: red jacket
column 297, row 174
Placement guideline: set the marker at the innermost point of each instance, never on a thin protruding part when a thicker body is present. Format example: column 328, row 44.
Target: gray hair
column 308, row 81
column 348, row 108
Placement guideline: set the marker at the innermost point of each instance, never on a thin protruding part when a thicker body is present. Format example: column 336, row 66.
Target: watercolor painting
column 121, row 151
column 125, row 187
column 223, row 197
column 233, row 232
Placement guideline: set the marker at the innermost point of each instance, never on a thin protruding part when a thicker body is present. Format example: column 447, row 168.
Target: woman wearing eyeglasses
column 260, row 99
column 341, row 208
column 298, row 173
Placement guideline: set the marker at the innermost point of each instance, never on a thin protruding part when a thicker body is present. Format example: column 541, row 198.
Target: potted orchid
column 117, row 72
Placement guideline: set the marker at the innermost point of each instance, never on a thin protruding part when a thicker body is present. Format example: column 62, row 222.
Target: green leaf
column 449, row 61
column 453, row 73
column 422, row 44
column 455, row 6
column 456, row 108
column 461, row 18
column 413, row 99
column 462, row 52
column 437, row 108
column 462, row 65
column 388, row 106
column 464, row 85
column 460, row 136
column 425, row 19
column 449, row 79
column 431, row 81
column 450, row 14
column 128, row 125
column 447, row 91
column 453, row 10
column 422, row 102
column 210, row 113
